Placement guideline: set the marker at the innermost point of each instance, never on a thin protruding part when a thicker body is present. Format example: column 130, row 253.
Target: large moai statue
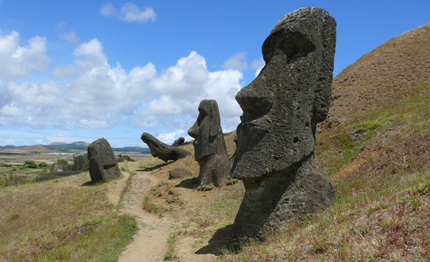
column 162, row 150
column 103, row 164
column 209, row 145
column 276, row 137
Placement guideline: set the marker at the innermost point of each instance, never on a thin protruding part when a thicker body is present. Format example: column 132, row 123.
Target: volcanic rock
column 103, row 165
column 276, row 137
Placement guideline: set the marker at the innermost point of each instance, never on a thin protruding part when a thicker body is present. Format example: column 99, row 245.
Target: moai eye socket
column 294, row 44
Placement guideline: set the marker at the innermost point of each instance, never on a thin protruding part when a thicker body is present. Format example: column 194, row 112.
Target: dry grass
column 61, row 220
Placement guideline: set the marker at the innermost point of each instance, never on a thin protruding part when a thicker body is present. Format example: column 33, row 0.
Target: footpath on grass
column 150, row 242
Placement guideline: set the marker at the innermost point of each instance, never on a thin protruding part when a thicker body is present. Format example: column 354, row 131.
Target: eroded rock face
column 162, row 150
column 103, row 164
column 276, row 137
column 209, row 145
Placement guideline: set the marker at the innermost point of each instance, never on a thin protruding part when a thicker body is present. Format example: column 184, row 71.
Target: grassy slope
column 375, row 146
column 62, row 220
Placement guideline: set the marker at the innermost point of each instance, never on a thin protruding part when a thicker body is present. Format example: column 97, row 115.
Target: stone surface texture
column 209, row 145
column 276, row 137
column 179, row 172
column 162, row 150
column 103, row 164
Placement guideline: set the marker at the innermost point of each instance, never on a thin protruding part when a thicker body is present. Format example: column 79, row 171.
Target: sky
column 81, row 70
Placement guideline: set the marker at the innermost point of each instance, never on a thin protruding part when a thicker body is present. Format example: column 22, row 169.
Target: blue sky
column 81, row 70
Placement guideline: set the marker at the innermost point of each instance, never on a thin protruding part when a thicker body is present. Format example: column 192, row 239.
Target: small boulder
column 179, row 172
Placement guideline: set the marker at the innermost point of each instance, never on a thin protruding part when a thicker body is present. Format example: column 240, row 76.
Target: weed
column 170, row 254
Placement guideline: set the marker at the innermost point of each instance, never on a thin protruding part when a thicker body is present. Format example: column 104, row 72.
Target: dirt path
column 150, row 243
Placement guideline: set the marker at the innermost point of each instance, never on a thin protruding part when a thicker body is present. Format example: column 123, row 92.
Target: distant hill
column 37, row 149
column 57, row 143
column 74, row 147
column 81, row 143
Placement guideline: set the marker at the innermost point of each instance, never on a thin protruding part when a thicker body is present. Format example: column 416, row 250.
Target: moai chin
column 209, row 145
column 276, row 137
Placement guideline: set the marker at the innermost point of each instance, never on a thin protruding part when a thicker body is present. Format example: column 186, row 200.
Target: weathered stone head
column 282, row 106
column 209, row 145
column 162, row 150
column 102, row 161
column 276, row 136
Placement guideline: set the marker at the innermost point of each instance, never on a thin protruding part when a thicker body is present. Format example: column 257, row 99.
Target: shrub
column 30, row 164
column 42, row 165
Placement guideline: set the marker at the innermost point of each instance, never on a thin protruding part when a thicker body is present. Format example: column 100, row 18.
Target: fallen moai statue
column 209, row 145
column 162, row 150
column 276, row 137
column 103, row 165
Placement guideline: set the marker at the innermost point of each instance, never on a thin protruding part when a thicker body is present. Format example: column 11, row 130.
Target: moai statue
column 179, row 142
column 209, row 145
column 103, row 164
column 162, row 150
column 276, row 137
column 80, row 162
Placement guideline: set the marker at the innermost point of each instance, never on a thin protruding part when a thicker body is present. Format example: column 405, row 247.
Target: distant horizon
column 79, row 71
column 65, row 143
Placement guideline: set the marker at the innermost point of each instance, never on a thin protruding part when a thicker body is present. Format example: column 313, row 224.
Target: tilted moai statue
column 276, row 137
column 162, row 150
column 103, row 164
column 209, row 145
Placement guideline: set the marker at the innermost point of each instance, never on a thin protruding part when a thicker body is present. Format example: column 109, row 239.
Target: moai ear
column 322, row 90
column 213, row 130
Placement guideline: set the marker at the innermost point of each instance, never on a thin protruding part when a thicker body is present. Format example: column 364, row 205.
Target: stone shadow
column 190, row 183
column 153, row 167
column 56, row 175
column 222, row 240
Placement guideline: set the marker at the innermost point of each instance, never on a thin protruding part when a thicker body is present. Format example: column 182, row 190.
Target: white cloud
column 70, row 37
column 170, row 137
column 257, row 65
column 238, row 61
column 67, row 34
column 185, row 78
column 107, row 10
column 129, row 12
column 19, row 61
column 63, row 71
column 92, row 94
